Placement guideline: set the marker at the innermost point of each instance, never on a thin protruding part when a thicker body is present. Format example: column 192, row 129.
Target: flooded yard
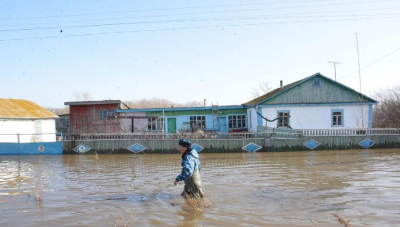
column 243, row 189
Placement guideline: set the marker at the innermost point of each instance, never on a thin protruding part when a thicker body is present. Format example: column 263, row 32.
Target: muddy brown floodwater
column 243, row 189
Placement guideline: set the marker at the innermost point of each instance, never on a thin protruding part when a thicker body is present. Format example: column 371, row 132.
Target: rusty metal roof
column 23, row 109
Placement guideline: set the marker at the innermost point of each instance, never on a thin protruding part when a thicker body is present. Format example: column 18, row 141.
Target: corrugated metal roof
column 189, row 107
column 76, row 103
column 23, row 109
column 178, row 108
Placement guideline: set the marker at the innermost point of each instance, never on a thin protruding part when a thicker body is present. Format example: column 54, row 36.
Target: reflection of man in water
column 190, row 170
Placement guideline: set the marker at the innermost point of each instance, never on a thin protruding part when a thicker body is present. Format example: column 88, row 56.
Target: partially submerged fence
column 266, row 139
column 34, row 143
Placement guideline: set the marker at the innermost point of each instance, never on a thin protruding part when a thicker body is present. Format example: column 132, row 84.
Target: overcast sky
column 191, row 50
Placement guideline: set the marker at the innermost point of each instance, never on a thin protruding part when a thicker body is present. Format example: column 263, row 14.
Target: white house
column 316, row 102
column 21, row 121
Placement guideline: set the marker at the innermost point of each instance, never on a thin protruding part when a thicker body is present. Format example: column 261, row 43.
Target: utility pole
column 358, row 56
column 334, row 66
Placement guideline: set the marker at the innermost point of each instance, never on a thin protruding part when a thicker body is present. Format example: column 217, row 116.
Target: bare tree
column 59, row 111
column 261, row 89
column 387, row 112
column 159, row 103
column 82, row 96
column 193, row 104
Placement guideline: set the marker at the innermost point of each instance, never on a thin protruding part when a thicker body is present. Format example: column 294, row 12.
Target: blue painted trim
column 277, row 115
column 337, row 110
column 313, row 104
column 259, row 118
column 370, row 116
column 308, row 78
column 180, row 109
column 318, row 84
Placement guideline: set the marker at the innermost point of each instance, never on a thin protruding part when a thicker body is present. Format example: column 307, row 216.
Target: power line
column 184, row 28
column 179, row 14
column 180, row 20
column 136, row 17
column 162, row 9
column 371, row 63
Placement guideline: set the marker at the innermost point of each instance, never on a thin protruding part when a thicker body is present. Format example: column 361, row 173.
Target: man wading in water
column 190, row 171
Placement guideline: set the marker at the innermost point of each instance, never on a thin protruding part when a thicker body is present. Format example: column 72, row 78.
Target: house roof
column 270, row 94
column 182, row 108
column 278, row 91
column 23, row 109
column 85, row 103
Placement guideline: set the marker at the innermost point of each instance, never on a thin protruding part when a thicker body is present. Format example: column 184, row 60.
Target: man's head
column 184, row 144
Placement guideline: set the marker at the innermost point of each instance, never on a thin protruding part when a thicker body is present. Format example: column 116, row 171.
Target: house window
column 111, row 113
column 103, row 114
column 107, row 113
column 237, row 121
column 283, row 119
column 337, row 117
column 155, row 124
column 317, row 82
column 197, row 122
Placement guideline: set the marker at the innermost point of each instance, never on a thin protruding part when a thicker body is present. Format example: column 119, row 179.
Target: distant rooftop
column 174, row 108
column 85, row 103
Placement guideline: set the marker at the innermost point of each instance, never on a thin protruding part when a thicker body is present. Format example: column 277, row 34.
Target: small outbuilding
column 27, row 128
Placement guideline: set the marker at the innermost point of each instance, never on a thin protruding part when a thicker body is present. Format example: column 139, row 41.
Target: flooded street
column 243, row 189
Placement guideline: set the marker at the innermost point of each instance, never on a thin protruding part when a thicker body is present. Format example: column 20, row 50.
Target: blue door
column 222, row 124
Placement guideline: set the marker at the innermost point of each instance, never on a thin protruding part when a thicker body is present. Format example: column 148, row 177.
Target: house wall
column 182, row 116
column 86, row 119
column 252, row 120
column 319, row 116
column 30, row 127
column 62, row 124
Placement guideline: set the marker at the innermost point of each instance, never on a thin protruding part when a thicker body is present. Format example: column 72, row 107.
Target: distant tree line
column 387, row 112
column 133, row 104
column 160, row 103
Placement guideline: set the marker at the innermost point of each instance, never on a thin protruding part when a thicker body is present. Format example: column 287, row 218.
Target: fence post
column 19, row 145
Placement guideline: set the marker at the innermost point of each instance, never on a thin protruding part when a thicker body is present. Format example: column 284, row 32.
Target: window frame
column 317, row 84
column 110, row 113
column 237, row 121
column 103, row 114
column 155, row 124
column 341, row 117
column 198, row 120
column 279, row 121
